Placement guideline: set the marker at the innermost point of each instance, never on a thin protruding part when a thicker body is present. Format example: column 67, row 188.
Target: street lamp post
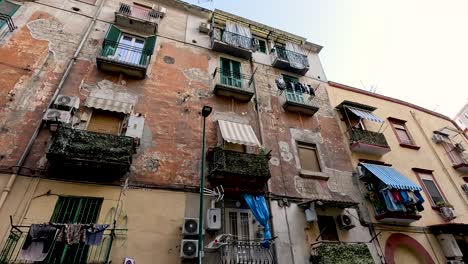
column 206, row 111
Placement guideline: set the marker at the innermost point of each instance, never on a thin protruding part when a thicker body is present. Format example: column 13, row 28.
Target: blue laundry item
column 391, row 206
column 404, row 196
column 258, row 206
column 419, row 196
column 94, row 234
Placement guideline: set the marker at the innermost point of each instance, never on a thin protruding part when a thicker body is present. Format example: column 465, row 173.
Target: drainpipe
column 429, row 142
column 6, row 190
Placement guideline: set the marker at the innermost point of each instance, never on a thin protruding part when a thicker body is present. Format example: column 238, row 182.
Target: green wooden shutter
column 292, row 94
column 225, row 71
column 150, row 42
column 236, row 74
column 113, row 34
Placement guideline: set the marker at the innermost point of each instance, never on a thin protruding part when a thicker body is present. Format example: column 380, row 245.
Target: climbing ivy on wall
column 342, row 254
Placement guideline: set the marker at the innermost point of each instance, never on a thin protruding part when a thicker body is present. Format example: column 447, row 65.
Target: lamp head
column 206, row 110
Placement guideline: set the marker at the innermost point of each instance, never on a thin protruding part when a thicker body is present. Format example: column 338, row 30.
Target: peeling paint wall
column 179, row 82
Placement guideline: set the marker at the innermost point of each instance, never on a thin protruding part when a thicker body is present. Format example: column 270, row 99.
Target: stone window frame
column 395, row 121
column 306, row 173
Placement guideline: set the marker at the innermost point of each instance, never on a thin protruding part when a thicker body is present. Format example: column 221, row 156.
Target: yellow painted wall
column 153, row 217
column 430, row 156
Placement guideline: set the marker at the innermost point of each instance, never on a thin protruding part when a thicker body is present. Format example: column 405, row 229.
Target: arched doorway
column 401, row 249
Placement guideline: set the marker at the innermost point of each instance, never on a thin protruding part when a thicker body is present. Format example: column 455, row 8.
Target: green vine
column 341, row 254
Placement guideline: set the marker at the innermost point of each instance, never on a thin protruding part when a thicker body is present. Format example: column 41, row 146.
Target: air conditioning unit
column 465, row 187
column 128, row 260
column 447, row 213
column 189, row 249
column 213, row 219
column 345, row 221
column 449, row 246
column 459, row 147
column 190, row 227
column 55, row 115
column 67, row 102
column 204, row 27
column 162, row 11
column 438, row 138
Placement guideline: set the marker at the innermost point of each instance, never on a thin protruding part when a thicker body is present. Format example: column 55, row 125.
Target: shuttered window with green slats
column 73, row 210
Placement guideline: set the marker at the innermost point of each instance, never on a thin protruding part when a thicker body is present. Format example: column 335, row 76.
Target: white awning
column 238, row 133
column 366, row 114
column 109, row 105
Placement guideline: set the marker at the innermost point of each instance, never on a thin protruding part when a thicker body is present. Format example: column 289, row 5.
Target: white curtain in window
column 229, row 34
column 297, row 57
column 245, row 37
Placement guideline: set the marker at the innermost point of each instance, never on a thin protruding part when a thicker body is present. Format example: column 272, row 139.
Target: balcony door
column 130, row 49
column 239, row 223
column 76, row 210
column 231, row 73
column 292, row 94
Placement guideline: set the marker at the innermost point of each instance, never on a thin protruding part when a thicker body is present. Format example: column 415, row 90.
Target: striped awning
column 366, row 114
column 109, row 105
column 238, row 133
column 391, row 177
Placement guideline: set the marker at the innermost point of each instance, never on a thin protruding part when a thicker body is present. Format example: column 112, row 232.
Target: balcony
column 368, row 142
column 299, row 102
column 101, row 156
column 231, row 43
column 120, row 58
column 340, row 252
column 59, row 252
column 290, row 61
column 460, row 162
column 233, row 84
column 237, row 170
column 140, row 19
column 245, row 251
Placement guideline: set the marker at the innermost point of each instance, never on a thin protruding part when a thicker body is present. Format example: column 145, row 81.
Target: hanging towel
column 396, row 195
column 419, row 196
column 94, row 234
column 404, row 196
column 38, row 242
column 413, row 197
column 258, row 206
column 72, row 234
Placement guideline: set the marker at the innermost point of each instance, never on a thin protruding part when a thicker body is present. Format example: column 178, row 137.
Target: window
column 431, row 188
column 234, row 147
column 327, row 228
column 262, row 46
column 7, row 8
column 231, row 72
column 106, row 122
column 308, row 157
column 239, row 223
column 76, row 210
column 402, row 133
column 127, row 48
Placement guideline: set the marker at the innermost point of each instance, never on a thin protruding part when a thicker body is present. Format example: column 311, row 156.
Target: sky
column 416, row 51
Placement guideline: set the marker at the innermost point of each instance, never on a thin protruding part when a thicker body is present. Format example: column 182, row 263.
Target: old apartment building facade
column 101, row 124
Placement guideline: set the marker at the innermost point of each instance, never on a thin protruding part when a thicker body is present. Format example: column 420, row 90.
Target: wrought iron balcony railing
column 295, row 60
column 231, row 43
column 125, row 54
column 299, row 102
column 59, row 252
column 145, row 14
column 233, row 84
column 246, row 251
column 368, row 137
